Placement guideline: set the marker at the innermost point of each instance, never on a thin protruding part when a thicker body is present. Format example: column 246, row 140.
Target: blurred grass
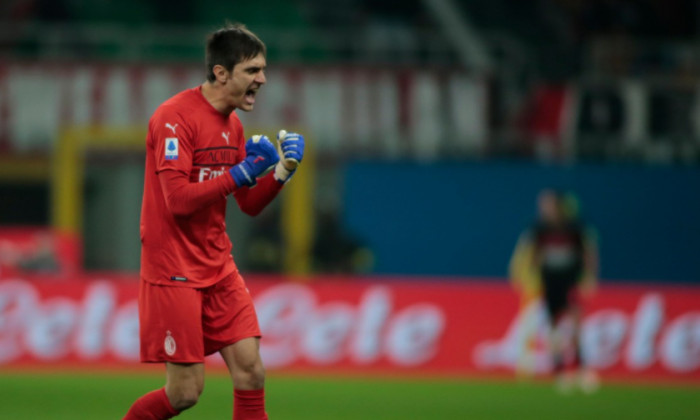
column 93, row 396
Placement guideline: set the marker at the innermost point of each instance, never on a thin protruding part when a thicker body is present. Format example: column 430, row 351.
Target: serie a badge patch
column 171, row 148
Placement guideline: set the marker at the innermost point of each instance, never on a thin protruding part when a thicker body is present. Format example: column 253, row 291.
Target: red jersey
column 190, row 147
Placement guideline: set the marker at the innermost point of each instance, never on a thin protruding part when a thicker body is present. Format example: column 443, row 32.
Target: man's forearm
column 253, row 200
column 184, row 198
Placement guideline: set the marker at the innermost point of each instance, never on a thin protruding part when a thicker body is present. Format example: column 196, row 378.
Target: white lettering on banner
column 298, row 327
column 374, row 311
column 295, row 326
column 648, row 319
column 680, row 346
column 98, row 307
column 513, row 350
column 17, row 301
column 326, row 334
column 413, row 334
column 603, row 335
column 53, row 328
column 282, row 311
column 50, row 328
column 124, row 335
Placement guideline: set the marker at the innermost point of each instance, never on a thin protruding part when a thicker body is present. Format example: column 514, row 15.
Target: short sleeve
column 172, row 141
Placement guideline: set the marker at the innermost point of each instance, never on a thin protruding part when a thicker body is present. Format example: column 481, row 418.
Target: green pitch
column 108, row 396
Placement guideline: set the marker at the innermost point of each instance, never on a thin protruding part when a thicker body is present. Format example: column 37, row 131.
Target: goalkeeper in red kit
column 192, row 300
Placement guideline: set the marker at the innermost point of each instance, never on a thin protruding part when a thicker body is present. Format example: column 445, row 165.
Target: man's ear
column 220, row 73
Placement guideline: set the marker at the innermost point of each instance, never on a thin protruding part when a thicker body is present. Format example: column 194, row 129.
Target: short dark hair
column 231, row 45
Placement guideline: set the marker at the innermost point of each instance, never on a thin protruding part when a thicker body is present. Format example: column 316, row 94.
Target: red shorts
column 183, row 324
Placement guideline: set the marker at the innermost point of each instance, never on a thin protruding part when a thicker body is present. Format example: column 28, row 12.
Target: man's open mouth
column 250, row 95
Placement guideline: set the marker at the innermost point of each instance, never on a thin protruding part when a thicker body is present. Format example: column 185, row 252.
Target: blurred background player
column 192, row 300
column 557, row 261
column 525, row 280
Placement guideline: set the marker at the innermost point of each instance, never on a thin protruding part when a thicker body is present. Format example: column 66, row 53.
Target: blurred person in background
column 192, row 300
column 557, row 261
column 525, row 280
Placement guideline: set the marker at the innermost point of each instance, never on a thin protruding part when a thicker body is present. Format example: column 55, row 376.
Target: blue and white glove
column 261, row 155
column 291, row 150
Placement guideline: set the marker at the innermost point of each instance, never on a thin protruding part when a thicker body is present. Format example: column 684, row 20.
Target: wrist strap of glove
column 242, row 175
column 282, row 174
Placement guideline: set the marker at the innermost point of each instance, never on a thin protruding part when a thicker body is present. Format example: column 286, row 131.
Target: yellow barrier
column 68, row 167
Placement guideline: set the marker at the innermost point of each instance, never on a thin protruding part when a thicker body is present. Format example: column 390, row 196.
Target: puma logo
column 225, row 135
column 172, row 127
column 259, row 159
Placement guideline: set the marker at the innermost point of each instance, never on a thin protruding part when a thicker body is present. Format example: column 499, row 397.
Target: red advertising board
column 417, row 326
column 38, row 249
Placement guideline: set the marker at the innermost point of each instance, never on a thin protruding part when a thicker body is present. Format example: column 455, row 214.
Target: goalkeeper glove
column 261, row 155
column 291, row 150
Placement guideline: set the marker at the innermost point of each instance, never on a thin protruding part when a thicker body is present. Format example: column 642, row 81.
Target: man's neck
column 214, row 94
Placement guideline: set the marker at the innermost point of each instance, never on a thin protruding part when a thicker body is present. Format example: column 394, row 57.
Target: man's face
column 244, row 81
